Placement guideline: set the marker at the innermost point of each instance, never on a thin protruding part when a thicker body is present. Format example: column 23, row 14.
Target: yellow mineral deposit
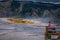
column 20, row 21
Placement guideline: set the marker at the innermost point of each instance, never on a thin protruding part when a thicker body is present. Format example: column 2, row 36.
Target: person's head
column 49, row 21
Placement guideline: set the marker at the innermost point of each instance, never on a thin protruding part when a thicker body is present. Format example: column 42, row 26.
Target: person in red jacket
column 49, row 24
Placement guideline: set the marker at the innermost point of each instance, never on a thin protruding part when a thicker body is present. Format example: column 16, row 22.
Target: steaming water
column 31, row 32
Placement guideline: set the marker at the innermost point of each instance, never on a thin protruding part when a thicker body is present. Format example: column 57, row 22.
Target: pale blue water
column 21, row 27
column 21, row 31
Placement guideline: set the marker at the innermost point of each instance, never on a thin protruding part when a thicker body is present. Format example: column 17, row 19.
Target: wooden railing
column 49, row 33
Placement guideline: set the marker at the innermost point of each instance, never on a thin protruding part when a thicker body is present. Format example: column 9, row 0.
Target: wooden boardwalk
column 49, row 34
